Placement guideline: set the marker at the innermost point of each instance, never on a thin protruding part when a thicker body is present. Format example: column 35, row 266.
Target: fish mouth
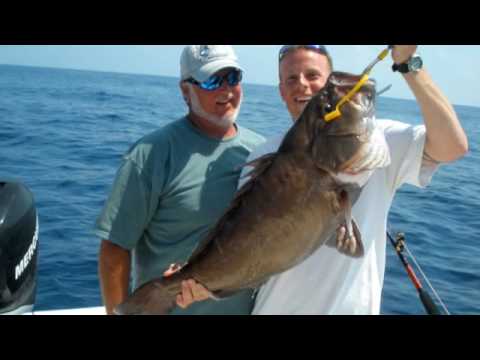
column 340, row 84
column 344, row 82
column 362, row 103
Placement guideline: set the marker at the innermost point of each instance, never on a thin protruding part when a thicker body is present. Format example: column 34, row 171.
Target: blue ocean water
column 62, row 133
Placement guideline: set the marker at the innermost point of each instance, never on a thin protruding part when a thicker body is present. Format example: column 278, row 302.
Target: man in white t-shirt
column 329, row 282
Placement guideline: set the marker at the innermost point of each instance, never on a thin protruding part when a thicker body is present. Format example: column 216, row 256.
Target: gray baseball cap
column 202, row 61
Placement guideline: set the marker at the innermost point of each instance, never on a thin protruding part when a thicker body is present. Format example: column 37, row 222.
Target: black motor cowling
column 18, row 248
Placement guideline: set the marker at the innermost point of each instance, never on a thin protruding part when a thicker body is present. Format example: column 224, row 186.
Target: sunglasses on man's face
column 321, row 49
column 214, row 82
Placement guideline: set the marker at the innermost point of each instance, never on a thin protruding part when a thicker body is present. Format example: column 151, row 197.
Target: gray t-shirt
column 172, row 186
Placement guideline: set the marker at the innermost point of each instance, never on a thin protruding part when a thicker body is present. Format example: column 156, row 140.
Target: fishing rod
column 399, row 245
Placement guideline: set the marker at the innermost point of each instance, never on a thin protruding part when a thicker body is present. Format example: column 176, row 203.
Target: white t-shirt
column 329, row 282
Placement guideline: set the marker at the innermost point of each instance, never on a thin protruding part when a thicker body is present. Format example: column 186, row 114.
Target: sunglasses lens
column 234, row 77
column 212, row 83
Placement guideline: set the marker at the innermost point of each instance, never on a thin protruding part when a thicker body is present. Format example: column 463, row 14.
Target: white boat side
column 100, row 310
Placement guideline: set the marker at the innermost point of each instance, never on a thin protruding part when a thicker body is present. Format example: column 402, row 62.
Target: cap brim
column 209, row 69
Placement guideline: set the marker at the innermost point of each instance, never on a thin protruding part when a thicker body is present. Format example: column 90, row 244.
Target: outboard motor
column 18, row 249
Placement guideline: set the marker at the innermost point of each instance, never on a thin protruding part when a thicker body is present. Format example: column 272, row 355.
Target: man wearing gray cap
column 175, row 183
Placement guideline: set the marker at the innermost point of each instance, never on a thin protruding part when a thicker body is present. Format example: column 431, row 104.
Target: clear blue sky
column 455, row 68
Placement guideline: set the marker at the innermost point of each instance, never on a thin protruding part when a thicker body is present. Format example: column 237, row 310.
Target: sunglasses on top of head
column 287, row 48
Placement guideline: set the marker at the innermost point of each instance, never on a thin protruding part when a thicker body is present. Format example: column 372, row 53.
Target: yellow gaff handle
column 336, row 113
column 383, row 54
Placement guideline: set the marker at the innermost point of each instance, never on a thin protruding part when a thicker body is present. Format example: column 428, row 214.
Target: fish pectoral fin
column 349, row 239
column 348, row 236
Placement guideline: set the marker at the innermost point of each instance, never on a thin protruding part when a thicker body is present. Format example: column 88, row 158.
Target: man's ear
column 185, row 92
column 282, row 91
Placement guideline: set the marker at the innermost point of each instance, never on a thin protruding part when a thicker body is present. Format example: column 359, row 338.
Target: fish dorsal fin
column 259, row 165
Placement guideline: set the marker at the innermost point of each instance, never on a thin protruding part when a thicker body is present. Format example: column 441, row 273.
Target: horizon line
column 174, row 77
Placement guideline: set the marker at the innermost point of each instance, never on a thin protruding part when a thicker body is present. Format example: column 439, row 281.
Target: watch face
column 415, row 63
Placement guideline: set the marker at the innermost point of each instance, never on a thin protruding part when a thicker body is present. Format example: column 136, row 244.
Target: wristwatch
column 414, row 64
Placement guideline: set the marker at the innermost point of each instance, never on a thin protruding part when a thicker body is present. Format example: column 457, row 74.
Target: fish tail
column 153, row 298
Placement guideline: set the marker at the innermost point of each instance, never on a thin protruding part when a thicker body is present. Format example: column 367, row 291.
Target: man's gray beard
column 222, row 121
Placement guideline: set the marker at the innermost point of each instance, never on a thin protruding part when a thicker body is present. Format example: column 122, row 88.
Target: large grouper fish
column 295, row 201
